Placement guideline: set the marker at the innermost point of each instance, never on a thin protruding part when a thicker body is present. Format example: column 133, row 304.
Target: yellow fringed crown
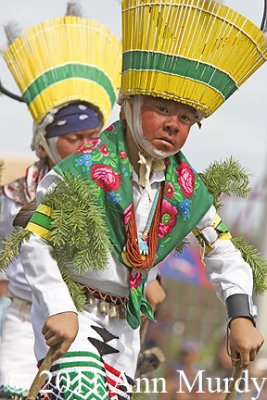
column 63, row 60
column 197, row 52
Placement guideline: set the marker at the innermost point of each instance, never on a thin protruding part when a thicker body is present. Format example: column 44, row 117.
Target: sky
column 237, row 129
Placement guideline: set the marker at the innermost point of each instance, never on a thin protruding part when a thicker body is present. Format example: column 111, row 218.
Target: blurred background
column 195, row 322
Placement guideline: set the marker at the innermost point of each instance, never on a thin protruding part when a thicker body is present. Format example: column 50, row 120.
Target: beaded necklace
column 140, row 250
column 142, row 238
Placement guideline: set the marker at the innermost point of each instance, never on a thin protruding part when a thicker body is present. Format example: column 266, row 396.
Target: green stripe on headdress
column 69, row 71
column 175, row 65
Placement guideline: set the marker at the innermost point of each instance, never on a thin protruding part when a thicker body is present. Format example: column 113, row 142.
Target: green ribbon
column 137, row 303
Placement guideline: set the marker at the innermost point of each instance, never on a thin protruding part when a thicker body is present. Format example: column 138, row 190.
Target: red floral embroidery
column 168, row 218
column 90, row 146
column 186, row 179
column 123, row 155
column 110, row 128
column 127, row 214
column 104, row 150
column 135, row 280
column 105, row 177
column 169, row 190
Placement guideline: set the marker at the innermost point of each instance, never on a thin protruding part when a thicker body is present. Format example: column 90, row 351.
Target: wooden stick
column 41, row 377
column 237, row 373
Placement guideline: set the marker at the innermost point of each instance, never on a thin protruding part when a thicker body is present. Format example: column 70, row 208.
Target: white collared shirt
column 225, row 267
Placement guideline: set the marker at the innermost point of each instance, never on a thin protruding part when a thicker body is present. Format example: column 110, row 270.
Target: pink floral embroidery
column 127, row 214
column 169, row 190
column 104, row 150
column 90, row 146
column 110, row 128
column 186, row 179
column 123, row 155
column 135, row 280
column 11, row 188
column 168, row 218
column 105, row 177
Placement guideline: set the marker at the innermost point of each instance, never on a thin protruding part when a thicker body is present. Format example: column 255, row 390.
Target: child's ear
column 42, row 154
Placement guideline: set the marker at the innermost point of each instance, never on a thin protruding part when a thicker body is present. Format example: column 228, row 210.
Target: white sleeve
column 8, row 210
column 47, row 184
column 41, row 269
column 225, row 267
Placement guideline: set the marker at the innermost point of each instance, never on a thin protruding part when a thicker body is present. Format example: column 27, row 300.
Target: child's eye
column 163, row 109
column 72, row 139
column 186, row 119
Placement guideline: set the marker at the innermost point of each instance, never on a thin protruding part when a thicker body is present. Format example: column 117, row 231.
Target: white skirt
column 101, row 361
column 18, row 365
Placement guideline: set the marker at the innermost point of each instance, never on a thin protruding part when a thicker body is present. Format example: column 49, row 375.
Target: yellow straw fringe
column 203, row 31
column 63, row 41
column 164, row 85
column 66, row 91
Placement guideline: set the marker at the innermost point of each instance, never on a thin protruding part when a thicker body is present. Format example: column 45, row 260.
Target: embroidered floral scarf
column 105, row 164
column 104, row 161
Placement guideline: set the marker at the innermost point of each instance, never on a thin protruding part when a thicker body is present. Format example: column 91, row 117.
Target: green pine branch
column 227, row 177
column 11, row 246
column 78, row 231
column 75, row 288
column 137, row 396
column 258, row 265
column 180, row 247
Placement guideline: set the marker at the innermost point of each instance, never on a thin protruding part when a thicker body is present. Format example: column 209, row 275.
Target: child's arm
column 49, row 290
column 233, row 282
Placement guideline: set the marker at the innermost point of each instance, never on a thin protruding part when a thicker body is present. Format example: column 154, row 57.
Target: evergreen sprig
column 137, row 396
column 11, row 246
column 75, row 288
column 258, row 265
column 226, row 177
column 180, row 247
column 78, row 231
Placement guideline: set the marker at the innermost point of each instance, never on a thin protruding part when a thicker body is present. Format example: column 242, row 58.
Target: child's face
column 69, row 144
column 166, row 123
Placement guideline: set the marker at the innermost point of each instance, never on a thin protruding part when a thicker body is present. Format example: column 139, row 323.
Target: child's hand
column 60, row 330
column 245, row 341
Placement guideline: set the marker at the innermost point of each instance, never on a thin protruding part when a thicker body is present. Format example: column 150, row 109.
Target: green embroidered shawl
column 105, row 163
column 104, row 168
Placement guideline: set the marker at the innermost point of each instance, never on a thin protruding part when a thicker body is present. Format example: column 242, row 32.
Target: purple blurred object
column 186, row 266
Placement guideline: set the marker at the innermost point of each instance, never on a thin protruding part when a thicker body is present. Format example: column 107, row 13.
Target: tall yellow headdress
column 197, row 52
column 66, row 59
